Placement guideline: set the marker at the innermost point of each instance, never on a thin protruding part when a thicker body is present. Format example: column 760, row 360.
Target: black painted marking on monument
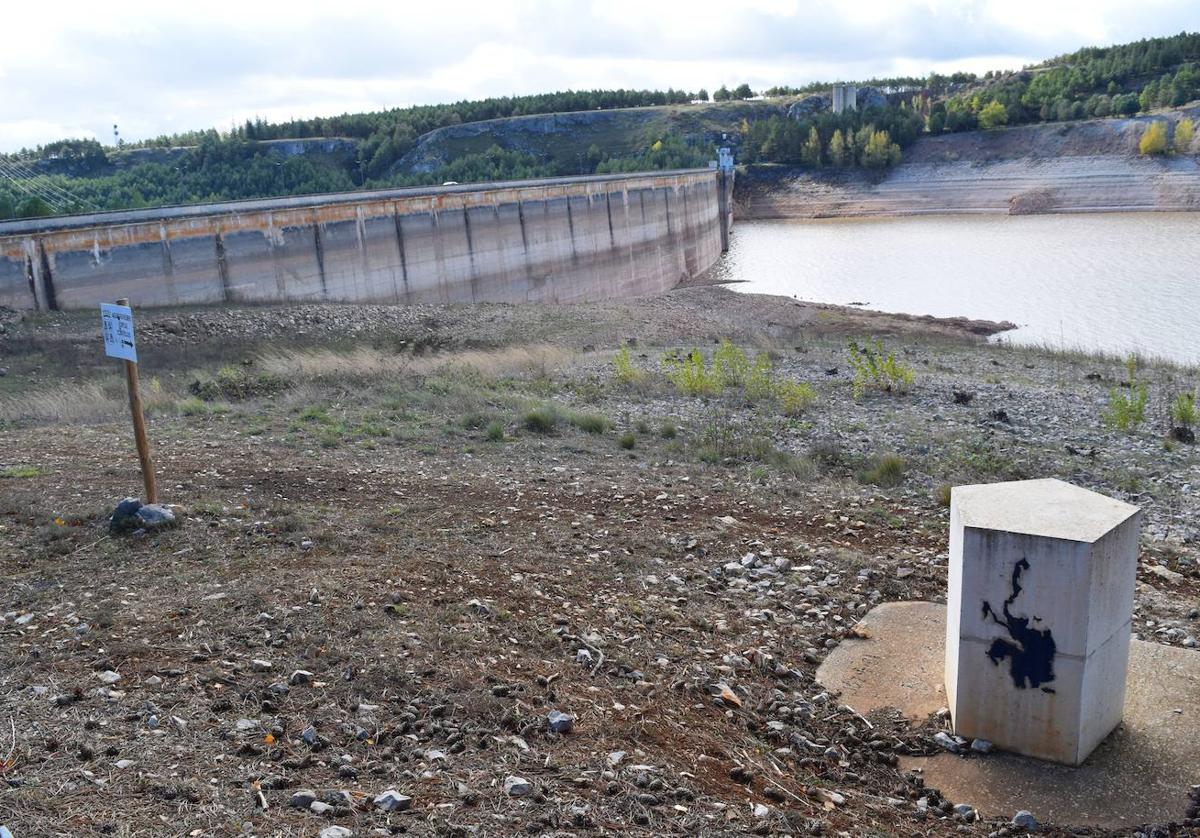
column 1030, row 652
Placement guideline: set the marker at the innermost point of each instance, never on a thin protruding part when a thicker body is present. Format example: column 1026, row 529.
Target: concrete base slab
column 1140, row 774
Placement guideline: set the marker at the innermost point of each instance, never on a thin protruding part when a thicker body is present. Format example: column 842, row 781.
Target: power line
column 30, row 189
column 22, row 180
column 43, row 188
column 65, row 194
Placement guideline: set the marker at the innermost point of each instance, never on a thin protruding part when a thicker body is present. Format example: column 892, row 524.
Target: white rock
column 517, row 786
column 109, row 677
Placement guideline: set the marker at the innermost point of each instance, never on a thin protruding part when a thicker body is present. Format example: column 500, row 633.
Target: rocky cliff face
column 561, row 136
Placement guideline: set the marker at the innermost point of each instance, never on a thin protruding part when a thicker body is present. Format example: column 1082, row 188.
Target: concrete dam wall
column 554, row 240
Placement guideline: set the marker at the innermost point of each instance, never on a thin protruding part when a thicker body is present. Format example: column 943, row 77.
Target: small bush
column 627, row 440
column 1183, row 410
column 942, row 495
column 495, row 431
column 624, row 370
column 543, row 419
column 874, row 367
column 795, row 397
column 330, row 436
column 371, row 428
column 474, row 420
column 730, row 366
column 593, row 423
column 20, row 471
column 642, row 426
column 759, row 383
column 1127, row 410
column 691, row 376
column 888, row 471
column 236, row 383
column 668, row 430
column 316, row 415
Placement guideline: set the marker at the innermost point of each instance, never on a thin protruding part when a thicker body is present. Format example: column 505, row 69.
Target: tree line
column 1092, row 82
column 871, row 139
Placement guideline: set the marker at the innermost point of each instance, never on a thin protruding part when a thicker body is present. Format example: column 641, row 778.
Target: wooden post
column 139, row 425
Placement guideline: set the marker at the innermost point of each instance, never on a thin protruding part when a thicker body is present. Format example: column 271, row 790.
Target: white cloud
column 159, row 67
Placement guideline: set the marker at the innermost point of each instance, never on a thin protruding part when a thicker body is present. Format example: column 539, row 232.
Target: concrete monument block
column 1038, row 615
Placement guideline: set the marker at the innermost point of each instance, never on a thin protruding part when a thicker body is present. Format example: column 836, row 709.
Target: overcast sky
column 72, row 69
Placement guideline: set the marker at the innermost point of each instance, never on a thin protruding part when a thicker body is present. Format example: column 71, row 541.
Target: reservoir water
column 1118, row 283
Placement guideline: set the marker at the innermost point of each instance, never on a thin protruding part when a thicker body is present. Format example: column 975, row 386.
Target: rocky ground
column 411, row 538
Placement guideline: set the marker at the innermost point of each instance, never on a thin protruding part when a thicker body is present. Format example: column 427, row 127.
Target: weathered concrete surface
column 555, row 240
column 1040, row 601
column 1140, row 774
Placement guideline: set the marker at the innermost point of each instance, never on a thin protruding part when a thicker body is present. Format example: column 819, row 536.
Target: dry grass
column 366, row 362
column 79, row 403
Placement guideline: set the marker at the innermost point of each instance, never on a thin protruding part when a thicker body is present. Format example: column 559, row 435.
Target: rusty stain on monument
column 1030, row 651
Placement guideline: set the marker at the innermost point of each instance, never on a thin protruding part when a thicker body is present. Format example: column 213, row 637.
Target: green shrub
column 795, row 397
column 668, row 430
column 474, row 420
column 20, row 471
column 1127, row 408
column 642, row 426
column 887, row 471
column 315, row 414
column 942, row 495
column 759, row 383
column 730, row 366
column 495, row 431
column 1183, row 410
column 330, row 436
column 235, row 384
column 624, row 370
column 877, row 368
column 593, row 423
column 371, row 428
column 627, row 440
column 543, row 419
column 691, row 376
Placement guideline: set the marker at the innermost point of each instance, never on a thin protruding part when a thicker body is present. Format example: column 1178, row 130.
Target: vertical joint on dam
column 222, row 267
column 319, row 247
column 724, row 187
column 48, row 293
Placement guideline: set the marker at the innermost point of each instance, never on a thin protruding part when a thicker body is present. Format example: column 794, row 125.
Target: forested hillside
column 648, row 129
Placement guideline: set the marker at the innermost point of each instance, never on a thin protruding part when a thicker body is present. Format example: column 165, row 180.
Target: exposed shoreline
column 1088, row 166
column 1103, row 183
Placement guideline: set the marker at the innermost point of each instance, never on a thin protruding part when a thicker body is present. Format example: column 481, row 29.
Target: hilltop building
column 845, row 98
